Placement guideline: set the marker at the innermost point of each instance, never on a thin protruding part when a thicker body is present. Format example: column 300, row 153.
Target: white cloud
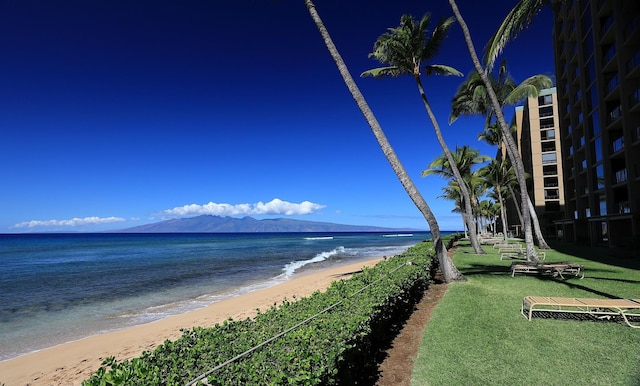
column 70, row 223
column 273, row 207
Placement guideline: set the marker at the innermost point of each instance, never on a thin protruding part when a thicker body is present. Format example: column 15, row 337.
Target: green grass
column 477, row 335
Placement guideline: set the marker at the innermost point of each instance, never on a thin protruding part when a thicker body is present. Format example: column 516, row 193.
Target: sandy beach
column 73, row 362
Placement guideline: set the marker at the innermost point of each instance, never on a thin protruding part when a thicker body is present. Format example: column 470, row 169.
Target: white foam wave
column 292, row 267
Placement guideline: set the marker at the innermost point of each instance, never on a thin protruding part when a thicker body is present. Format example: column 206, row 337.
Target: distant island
column 219, row 224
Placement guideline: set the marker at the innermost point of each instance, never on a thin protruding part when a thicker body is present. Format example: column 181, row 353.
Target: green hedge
column 341, row 345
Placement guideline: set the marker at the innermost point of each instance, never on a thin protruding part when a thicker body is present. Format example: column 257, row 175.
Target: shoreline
column 71, row 363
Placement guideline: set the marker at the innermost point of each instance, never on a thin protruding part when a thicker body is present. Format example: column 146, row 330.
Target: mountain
column 218, row 224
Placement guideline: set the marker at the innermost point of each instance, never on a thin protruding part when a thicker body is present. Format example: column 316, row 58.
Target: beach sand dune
column 73, row 362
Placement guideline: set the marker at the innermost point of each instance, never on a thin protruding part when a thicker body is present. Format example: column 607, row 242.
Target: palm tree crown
column 411, row 37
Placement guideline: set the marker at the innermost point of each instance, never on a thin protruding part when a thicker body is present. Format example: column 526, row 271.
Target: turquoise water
column 62, row 287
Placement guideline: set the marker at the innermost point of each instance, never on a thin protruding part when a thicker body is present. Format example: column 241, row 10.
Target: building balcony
column 614, row 114
column 620, row 176
column 624, row 207
column 617, row 145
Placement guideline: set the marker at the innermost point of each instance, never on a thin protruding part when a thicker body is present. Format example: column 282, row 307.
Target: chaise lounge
column 548, row 269
column 597, row 308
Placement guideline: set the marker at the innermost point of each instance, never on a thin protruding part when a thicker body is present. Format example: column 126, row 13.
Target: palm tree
column 511, row 146
column 498, row 175
column 449, row 271
column 452, row 192
column 404, row 50
column 465, row 159
column 472, row 98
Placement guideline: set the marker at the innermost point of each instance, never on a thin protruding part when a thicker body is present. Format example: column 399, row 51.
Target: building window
column 550, row 182
column 609, row 51
column 548, row 146
column 593, row 97
column 612, row 82
column 546, row 135
column 550, row 170
column 551, row 194
column 549, row 158
column 634, row 98
column 596, row 150
column 591, row 71
column 605, row 24
column 595, row 123
column 614, row 112
column 545, row 99
column 633, row 62
column 617, row 144
column 620, row 176
column 603, row 204
column 546, row 123
column 600, row 177
column 546, row 111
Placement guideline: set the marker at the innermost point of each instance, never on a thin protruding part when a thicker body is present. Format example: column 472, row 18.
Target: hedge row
column 341, row 345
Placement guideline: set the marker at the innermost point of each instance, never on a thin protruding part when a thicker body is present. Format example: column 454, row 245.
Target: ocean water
column 57, row 288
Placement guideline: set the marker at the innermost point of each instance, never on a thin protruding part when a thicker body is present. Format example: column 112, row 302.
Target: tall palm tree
column 449, row 271
column 472, row 98
column 499, row 175
column 511, row 146
column 452, row 192
column 465, row 159
column 404, row 50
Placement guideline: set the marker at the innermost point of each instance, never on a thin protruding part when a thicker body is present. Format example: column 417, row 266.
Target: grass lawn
column 477, row 335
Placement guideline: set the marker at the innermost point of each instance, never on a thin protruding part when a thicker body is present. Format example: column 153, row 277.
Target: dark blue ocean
column 57, row 288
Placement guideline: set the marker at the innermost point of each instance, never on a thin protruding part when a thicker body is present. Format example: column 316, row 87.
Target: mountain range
column 219, row 224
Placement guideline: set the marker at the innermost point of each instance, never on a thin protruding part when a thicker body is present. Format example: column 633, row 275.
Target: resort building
column 597, row 58
column 539, row 142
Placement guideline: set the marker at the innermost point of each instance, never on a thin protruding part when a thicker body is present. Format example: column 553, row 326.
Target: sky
column 120, row 113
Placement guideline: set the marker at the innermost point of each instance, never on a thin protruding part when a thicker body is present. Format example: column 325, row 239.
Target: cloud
column 74, row 222
column 273, row 207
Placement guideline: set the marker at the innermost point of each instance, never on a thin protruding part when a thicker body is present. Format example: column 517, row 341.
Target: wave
column 319, row 238
column 292, row 267
column 399, row 235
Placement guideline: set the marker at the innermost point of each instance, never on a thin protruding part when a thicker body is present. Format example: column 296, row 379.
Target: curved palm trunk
column 516, row 203
column 503, row 213
column 542, row 243
column 449, row 270
column 467, row 213
column 512, row 148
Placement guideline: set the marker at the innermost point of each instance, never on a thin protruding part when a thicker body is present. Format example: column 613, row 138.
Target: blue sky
column 120, row 113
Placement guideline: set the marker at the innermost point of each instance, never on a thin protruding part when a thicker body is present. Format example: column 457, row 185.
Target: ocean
column 58, row 288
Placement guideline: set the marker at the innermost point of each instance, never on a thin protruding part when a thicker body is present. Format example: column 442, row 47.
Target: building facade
column 537, row 125
column 597, row 58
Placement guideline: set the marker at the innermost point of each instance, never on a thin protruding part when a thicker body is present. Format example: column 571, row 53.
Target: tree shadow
column 616, row 257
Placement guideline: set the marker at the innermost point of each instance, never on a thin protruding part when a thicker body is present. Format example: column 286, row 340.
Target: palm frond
column 530, row 87
column 381, row 72
column 516, row 20
column 441, row 69
column 431, row 47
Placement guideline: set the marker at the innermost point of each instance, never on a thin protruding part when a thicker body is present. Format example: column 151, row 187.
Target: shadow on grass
column 485, row 269
column 619, row 258
column 576, row 285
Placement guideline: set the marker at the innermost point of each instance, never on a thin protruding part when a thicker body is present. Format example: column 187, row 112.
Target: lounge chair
column 597, row 308
column 548, row 269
